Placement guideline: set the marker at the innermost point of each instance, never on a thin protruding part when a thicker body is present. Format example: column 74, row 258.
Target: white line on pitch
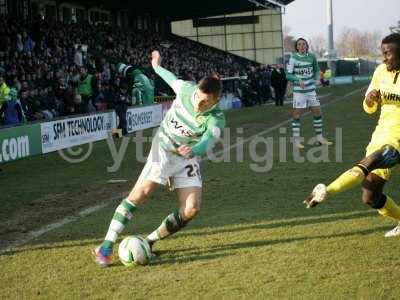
column 37, row 233
column 279, row 125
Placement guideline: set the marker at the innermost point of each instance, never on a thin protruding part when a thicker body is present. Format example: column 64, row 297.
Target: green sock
column 122, row 215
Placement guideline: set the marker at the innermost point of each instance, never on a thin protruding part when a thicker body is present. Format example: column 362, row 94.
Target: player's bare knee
column 134, row 199
column 190, row 213
column 368, row 197
column 146, row 192
column 139, row 195
column 375, row 199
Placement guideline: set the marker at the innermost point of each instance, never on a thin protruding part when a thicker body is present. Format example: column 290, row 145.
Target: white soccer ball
column 134, row 250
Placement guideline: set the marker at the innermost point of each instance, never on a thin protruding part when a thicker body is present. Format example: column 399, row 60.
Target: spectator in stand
column 42, row 50
column 106, row 72
column 246, row 93
column 26, row 107
column 108, row 95
column 253, row 79
column 19, row 44
column 24, row 85
column 4, row 90
column 29, row 44
column 99, row 100
column 266, row 83
column 44, row 104
column 87, row 87
column 279, row 83
column 122, row 100
column 71, row 102
column 78, row 57
column 11, row 109
column 91, row 65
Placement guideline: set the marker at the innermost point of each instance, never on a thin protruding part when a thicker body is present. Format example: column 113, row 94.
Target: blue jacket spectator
column 11, row 109
column 29, row 44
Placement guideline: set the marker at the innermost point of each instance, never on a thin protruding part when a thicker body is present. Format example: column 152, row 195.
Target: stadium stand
column 42, row 59
column 43, row 63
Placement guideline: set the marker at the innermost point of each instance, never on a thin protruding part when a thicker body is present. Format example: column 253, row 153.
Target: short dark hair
column 210, row 85
column 298, row 40
column 393, row 38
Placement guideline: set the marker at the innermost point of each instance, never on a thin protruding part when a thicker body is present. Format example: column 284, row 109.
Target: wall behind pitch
column 261, row 41
column 19, row 141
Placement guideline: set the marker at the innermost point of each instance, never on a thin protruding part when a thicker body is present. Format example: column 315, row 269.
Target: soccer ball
column 134, row 250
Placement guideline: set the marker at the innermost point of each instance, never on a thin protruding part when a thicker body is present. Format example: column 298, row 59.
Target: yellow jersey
column 388, row 84
column 4, row 91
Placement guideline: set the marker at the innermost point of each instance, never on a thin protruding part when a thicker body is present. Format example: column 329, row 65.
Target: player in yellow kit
column 382, row 153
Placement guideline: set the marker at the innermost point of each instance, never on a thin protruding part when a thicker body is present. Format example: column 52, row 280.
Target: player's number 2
column 192, row 170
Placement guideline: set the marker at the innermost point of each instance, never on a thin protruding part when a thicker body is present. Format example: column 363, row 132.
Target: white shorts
column 162, row 165
column 305, row 100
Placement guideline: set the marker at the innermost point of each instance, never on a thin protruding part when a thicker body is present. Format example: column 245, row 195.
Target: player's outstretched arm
column 155, row 59
column 166, row 75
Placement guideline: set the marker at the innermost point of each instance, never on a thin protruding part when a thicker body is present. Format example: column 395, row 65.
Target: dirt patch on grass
column 55, row 207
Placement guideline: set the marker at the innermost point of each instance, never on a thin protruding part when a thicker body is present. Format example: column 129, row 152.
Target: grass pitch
column 252, row 240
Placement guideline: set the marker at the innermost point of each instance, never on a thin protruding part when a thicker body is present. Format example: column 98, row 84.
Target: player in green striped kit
column 142, row 87
column 303, row 72
column 188, row 130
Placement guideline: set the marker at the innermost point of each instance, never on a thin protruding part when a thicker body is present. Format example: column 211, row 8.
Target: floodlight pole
column 331, row 46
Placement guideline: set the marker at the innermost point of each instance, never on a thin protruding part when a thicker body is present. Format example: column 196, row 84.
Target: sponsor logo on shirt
column 391, row 97
column 181, row 129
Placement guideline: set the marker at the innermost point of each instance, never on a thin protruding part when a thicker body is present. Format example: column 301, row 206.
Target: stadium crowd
column 60, row 69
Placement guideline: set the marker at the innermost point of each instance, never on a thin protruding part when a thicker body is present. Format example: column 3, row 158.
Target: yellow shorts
column 377, row 143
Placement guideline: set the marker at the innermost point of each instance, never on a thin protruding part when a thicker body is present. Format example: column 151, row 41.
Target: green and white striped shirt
column 182, row 125
column 304, row 67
